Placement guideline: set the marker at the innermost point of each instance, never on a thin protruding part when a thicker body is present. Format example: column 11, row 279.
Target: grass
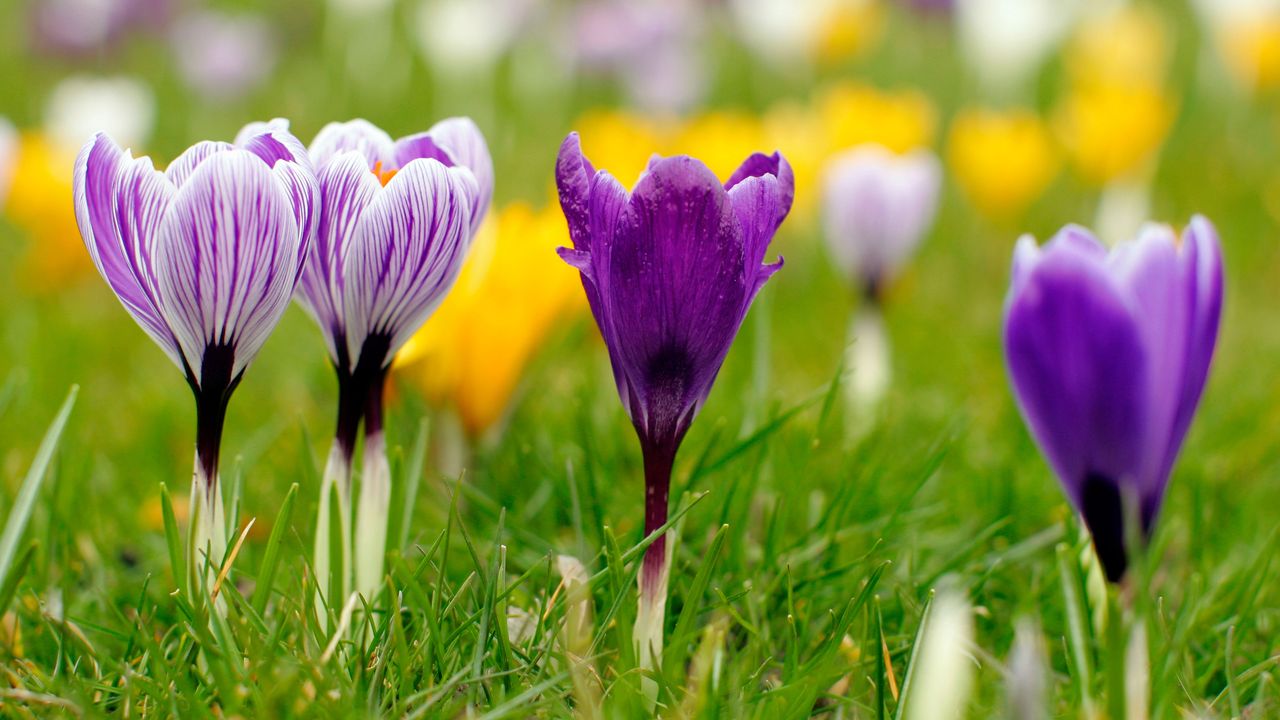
column 805, row 564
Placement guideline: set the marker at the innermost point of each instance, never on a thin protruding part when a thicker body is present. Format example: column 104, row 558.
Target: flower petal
column 1079, row 369
column 759, row 164
column 467, row 146
column 573, row 181
column 406, row 253
column 273, row 142
column 119, row 205
column 346, row 187
column 183, row 165
column 226, row 258
column 360, row 135
column 675, row 287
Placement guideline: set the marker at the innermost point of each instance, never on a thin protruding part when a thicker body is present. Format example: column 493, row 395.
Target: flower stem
column 651, row 612
column 208, row 542
column 375, row 494
column 337, row 480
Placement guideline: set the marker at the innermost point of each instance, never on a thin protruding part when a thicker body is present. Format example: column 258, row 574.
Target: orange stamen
column 384, row 176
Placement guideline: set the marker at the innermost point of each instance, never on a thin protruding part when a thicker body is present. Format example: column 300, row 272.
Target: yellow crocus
column 1251, row 51
column 40, row 205
column 796, row 131
column 853, row 115
column 851, row 28
column 1002, row 160
column 510, row 295
column 1113, row 131
column 1128, row 46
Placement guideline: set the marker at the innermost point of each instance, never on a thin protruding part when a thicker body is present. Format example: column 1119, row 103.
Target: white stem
column 452, row 448
column 371, row 516
column 650, row 616
column 1123, row 208
column 868, row 367
column 337, row 478
column 208, row 542
column 1137, row 673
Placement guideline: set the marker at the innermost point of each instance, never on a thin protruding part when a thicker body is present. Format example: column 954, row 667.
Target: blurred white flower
column 80, row 106
column 78, row 27
column 878, row 206
column 1006, row 41
column 468, row 36
column 8, row 157
column 944, row 678
column 222, row 56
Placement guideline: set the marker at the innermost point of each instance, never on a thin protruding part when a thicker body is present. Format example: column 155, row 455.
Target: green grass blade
column 20, row 514
column 271, row 560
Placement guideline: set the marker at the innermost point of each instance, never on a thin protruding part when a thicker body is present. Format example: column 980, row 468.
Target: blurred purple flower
column 1108, row 354
column 878, row 207
column 655, row 49
column 223, row 56
column 396, row 220
column 205, row 256
column 85, row 27
column 670, row 270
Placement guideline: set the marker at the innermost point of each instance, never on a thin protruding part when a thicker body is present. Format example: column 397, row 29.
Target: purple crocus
column 396, row 219
column 878, row 207
column 1108, row 353
column 670, row 270
column 205, row 257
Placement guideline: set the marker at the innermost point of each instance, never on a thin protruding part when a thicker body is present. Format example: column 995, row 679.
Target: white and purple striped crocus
column 670, row 270
column 1108, row 353
column 396, row 219
column 205, row 256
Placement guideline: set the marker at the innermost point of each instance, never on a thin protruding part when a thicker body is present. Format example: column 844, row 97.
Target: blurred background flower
column 1002, row 160
column 798, row 35
column 1005, row 42
column 78, row 107
column 1246, row 37
column 222, row 56
column 90, row 27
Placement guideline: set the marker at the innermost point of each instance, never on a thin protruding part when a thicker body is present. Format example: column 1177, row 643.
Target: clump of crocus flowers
column 1108, row 352
column 205, row 256
column 670, row 270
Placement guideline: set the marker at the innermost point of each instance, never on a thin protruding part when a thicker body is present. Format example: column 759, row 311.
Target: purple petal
column 226, row 258
column 673, row 281
column 119, row 204
column 421, row 146
column 776, row 165
column 346, row 187
column 573, row 180
column 758, row 203
column 274, row 143
column 1079, row 370
column 358, row 135
column 406, row 253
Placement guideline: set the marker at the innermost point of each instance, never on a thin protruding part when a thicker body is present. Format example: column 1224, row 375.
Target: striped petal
column 466, row 146
column 226, row 258
column 406, row 253
column 119, row 204
column 346, row 187
column 361, row 136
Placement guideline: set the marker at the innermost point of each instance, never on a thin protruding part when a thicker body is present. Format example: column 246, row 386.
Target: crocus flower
column 511, row 294
column 797, row 34
column 90, row 27
column 396, row 219
column 854, row 115
column 1246, row 34
column 205, row 257
column 670, row 270
column 879, row 206
column 1108, row 353
column 1002, row 160
column 223, row 56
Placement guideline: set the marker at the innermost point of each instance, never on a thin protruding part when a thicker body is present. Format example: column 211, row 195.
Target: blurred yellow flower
column 512, row 292
column 1111, row 131
column 620, row 142
column 721, row 139
column 855, row 115
column 1251, row 51
column 40, row 204
column 1003, row 161
column 852, row 28
column 796, row 131
column 1128, row 45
